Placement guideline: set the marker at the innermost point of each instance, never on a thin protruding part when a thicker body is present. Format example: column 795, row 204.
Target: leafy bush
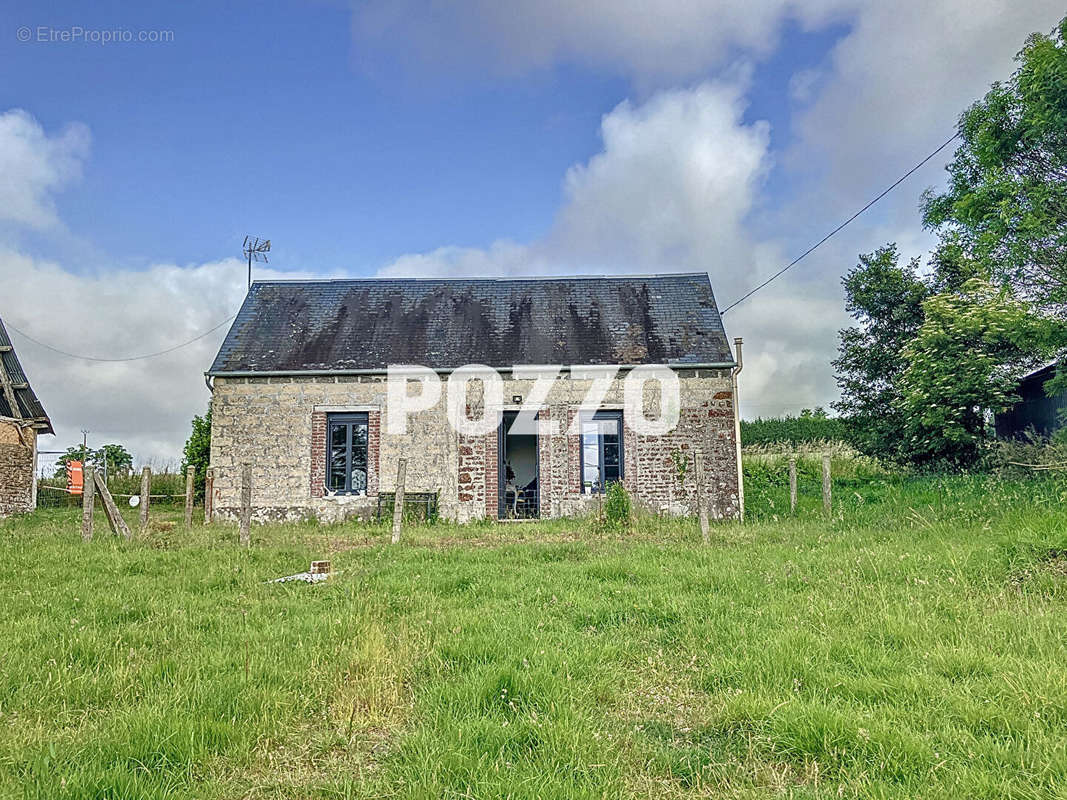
column 197, row 452
column 1021, row 458
column 617, row 506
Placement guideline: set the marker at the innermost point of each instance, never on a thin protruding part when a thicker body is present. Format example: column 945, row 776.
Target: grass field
column 913, row 646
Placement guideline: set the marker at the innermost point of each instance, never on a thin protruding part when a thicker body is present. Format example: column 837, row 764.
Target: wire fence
column 168, row 489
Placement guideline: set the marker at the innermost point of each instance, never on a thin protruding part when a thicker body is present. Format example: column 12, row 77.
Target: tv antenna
column 256, row 249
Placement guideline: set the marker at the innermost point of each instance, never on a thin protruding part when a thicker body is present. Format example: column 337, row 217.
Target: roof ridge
column 490, row 278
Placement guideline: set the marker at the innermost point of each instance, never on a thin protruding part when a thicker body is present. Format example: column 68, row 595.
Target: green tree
column 197, row 452
column 77, row 453
column 962, row 364
column 119, row 460
column 1006, row 204
column 886, row 299
column 115, row 456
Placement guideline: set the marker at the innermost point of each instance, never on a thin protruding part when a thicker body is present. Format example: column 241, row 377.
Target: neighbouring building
column 22, row 420
column 1036, row 413
column 299, row 392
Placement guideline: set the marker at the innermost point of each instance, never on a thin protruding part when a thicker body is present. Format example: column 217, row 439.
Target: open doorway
column 519, row 494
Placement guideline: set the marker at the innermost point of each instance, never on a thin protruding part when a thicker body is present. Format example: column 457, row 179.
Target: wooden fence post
column 246, row 504
column 88, row 495
column 190, row 479
column 792, row 485
column 702, row 511
column 826, row 483
column 398, row 498
column 209, row 495
column 146, row 495
column 114, row 518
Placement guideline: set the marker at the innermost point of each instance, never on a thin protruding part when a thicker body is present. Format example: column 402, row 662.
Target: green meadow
column 913, row 644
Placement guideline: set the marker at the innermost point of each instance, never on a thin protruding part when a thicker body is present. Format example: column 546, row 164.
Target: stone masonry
column 278, row 424
column 18, row 447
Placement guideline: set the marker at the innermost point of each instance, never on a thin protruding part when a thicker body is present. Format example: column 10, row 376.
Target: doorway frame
column 507, row 417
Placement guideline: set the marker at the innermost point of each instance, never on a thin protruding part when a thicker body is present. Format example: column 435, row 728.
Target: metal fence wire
column 418, row 506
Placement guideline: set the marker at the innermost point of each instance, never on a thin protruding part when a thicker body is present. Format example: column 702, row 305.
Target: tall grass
column 911, row 645
column 766, row 470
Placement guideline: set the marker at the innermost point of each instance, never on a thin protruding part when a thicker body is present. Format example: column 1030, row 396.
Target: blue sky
column 456, row 138
column 268, row 123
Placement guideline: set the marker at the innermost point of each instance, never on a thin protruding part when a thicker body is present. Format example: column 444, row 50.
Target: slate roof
column 29, row 407
column 366, row 325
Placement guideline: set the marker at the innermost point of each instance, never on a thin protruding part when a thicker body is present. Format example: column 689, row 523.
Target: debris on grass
column 319, row 571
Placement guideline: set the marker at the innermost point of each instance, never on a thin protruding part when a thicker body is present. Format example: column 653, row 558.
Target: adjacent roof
column 14, row 384
column 1040, row 374
column 366, row 325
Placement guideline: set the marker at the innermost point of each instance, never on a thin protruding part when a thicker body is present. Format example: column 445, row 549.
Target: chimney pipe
column 737, row 432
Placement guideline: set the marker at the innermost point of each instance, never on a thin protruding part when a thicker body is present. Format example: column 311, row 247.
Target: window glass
column 359, row 459
column 601, row 449
column 338, row 457
column 346, row 457
column 590, row 457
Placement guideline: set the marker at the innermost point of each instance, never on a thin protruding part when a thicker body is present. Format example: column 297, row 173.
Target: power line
column 128, row 358
column 821, row 241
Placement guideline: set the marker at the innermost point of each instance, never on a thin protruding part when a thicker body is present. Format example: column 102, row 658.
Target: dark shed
column 1036, row 412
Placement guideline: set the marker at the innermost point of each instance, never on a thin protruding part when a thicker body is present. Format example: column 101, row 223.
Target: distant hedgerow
column 811, row 425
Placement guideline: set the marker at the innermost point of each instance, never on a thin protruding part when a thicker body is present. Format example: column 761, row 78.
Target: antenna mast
column 256, row 249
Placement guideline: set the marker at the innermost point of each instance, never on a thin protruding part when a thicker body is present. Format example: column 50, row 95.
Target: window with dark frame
column 601, row 450
column 346, row 453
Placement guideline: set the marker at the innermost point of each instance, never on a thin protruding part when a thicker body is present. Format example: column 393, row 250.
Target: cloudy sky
column 399, row 137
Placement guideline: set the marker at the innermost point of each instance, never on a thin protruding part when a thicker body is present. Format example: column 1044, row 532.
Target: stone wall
column 17, row 451
column 278, row 425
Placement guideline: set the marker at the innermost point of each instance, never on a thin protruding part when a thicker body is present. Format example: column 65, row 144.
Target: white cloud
column 34, row 165
column 655, row 41
column 803, row 84
column 670, row 191
column 147, row 404
column 897, row 83
column 893, row 89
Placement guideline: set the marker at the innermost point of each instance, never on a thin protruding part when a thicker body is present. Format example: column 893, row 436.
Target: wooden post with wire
column 398, row 498
column 826, row 500
column 246, row 504
column 209, row 495
column 190, row 482
column 702, row 504
column 146, row 495
column 88, row 496
column 793, row 485
column 114, row 518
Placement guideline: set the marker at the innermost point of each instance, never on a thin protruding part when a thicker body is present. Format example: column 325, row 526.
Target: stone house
column 22, row 420
column 300, row 392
